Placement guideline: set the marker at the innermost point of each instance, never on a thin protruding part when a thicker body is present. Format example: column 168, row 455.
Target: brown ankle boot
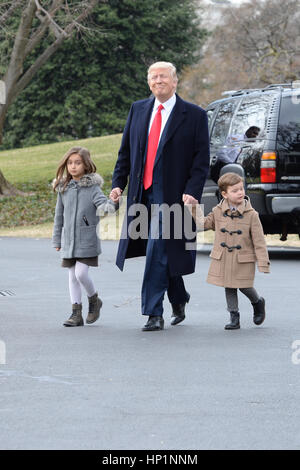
column 94, row 308
column 76, row 317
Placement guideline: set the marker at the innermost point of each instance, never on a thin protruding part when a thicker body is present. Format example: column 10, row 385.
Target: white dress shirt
column 165, row 113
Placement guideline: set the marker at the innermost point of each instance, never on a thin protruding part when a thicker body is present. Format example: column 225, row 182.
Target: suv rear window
column 222, row 122
column 252, row 112
column 289, row 120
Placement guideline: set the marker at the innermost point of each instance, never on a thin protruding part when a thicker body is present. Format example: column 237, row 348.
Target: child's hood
column 246, row 207
column 90, row 179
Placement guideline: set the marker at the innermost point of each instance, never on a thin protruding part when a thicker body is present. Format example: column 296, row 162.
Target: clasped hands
column 117, row 192
column 189, row 200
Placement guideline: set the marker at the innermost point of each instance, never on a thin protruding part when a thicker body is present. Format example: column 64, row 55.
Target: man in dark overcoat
column 165, row 154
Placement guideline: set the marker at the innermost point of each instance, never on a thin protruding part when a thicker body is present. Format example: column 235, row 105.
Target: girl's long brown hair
column 62, row 169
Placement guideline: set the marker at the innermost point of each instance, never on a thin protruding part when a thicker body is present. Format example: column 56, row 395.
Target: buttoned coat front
column 183, row 155
column 77, row 216
column 239, row 244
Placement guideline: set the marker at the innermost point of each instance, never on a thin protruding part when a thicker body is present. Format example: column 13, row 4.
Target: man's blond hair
column 164, row 65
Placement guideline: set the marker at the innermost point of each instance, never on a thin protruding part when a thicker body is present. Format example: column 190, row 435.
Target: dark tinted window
column 289, row 119
column 252, row 112
column 222, row 122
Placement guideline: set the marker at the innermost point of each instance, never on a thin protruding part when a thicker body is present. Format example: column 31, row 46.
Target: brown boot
column 94, row 308
column 76, row 317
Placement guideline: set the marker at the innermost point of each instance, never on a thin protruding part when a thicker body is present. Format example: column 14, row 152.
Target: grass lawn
column 32, row 170
column 39, row 163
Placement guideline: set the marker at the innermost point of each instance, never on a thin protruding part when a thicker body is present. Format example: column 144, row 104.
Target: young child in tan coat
column 239, row 244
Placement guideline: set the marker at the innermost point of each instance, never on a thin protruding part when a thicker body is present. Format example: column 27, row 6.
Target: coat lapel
column 175, row 119
column 144, row 118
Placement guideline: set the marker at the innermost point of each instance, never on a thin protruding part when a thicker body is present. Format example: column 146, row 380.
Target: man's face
column 162, row 84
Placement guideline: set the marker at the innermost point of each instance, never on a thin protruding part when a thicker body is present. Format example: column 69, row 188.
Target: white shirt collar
column 168, row 105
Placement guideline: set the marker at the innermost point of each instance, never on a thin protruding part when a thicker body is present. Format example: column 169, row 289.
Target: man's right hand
column 115, row 194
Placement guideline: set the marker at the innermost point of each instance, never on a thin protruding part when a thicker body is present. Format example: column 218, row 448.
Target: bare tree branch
column 28, row 36
column 257, row 43
column 55, row 27
column 15, row 67
column 9, row 12
column 39, row 33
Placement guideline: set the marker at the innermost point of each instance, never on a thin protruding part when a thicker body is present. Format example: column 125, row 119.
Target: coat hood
column 85, row 181
column 244, row 207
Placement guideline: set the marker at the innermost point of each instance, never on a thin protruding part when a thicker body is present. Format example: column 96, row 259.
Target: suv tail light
column 268, row 167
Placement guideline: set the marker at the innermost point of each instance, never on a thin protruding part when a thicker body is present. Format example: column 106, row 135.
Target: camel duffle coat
column 239, row 244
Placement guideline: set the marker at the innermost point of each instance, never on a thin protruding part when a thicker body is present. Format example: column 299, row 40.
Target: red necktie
column 153, row 140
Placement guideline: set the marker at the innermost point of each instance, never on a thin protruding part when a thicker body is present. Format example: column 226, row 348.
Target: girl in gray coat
column 80, row 201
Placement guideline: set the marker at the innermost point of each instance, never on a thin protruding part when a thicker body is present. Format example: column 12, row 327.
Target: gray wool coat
column 76, row 216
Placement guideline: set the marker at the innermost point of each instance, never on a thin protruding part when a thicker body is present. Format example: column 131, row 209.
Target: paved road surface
column 112, row 386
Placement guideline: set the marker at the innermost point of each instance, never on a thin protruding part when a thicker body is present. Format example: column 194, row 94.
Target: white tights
column 78, row 274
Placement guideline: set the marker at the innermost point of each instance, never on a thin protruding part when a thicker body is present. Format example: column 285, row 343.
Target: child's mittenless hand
column 57, row 249
column 115, row 194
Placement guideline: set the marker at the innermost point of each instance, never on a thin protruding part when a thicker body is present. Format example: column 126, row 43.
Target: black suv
column 259, row 130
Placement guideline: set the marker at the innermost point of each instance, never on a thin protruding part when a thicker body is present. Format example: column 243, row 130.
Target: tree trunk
column 3, row 111
column 16, row 79
column 7, row 189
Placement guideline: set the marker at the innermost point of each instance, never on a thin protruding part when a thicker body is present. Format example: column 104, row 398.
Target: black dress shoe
column 179, row 312
column 154, row 323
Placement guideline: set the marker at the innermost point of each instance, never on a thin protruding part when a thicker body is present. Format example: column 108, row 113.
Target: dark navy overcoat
column 184, row 154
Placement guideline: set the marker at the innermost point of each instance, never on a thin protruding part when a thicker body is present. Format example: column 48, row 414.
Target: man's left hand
column 187, row 199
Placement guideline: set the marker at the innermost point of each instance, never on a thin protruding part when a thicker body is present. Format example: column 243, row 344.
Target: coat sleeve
column 122, row 167
column 202, row 223
column 200, row 165
column 58, row 222
column 209, row 221
column 260, row 246
column 104, row 205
